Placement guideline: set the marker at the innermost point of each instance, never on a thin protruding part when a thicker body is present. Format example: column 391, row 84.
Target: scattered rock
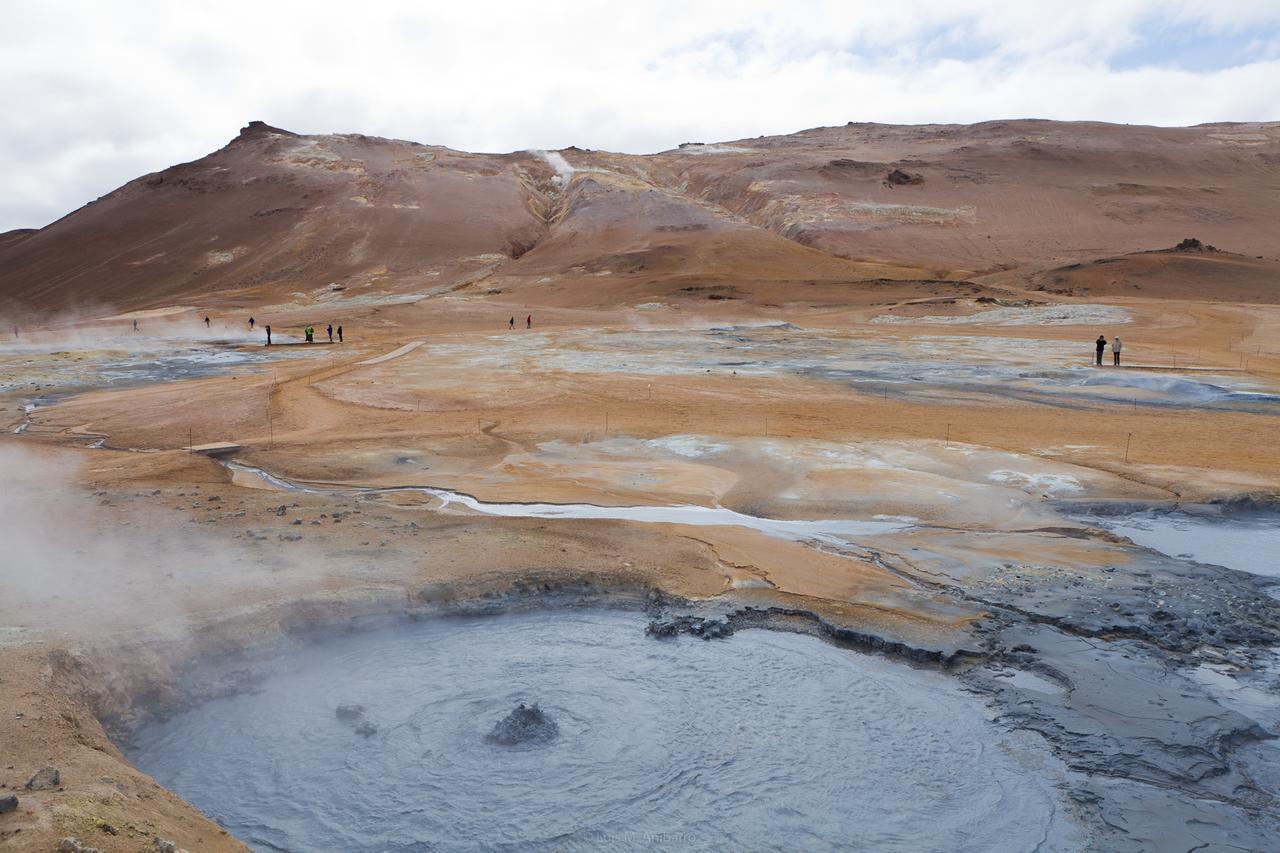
column 8, row 804
column 525, row 724
column 45, row 778
column 282, row 509
column 697, row 626
column 366, row 729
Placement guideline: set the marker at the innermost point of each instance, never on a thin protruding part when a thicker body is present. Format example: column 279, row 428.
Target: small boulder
column 366, row 729
column 525, row 724
column 8, row 804
column 45, row 778
column 348, row 713
column 898, row 178
column 74, row 845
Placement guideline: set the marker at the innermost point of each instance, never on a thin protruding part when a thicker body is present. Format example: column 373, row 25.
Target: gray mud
column 1242, row 535
column 1148, row 690
column 765, row 739
column 82, row 367
column 1147, row 747
column 959, row 369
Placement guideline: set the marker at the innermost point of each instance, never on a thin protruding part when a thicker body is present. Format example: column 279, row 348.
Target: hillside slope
column 278, row 215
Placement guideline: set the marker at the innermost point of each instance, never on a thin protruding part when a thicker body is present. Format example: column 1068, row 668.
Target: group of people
column 1101, row 345
column 528, row 322
column 310, row 332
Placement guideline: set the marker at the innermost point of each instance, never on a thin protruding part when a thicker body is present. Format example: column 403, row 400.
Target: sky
column 95, row 94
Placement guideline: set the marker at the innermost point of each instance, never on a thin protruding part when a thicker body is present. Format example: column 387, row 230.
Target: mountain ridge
column 276, row 212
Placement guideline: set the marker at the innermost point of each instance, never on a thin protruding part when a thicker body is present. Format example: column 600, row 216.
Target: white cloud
column 95, row 94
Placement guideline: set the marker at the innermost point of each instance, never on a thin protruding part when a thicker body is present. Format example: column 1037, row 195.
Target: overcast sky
column 96, row 93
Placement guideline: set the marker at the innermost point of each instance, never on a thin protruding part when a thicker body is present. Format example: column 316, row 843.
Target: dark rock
column 697, row 626
column 1191, row 244
column 8, row 804
column 525, row 724
column 47, row 777
column 366, row 729
column 898, row 178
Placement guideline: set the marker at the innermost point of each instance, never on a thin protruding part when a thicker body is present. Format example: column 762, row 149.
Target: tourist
column 511, row 324
column 251, row 321
column 1101, row 344
column 310, row 332
column 268, row 335
column 528, row 322
column 330, row 330
column 339, row 334
column 1115, row 350
column 206, row 321
column 135, row 325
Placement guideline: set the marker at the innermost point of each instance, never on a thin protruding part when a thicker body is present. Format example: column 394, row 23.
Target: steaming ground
column 970, row 494
column 64, row 361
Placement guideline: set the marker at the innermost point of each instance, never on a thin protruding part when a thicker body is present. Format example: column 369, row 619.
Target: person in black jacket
column 1101, row 344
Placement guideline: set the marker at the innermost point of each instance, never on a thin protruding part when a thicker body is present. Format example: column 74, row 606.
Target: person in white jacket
column 1115, row 351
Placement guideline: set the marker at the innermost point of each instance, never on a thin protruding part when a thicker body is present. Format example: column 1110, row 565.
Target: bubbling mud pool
column 762, row 740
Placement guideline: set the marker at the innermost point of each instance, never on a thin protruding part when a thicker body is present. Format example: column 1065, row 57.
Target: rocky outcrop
column 1191, row 244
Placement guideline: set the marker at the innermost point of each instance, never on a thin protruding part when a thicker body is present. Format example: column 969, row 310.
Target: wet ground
column 947, row 368
column 1243, row 539
column 57, row 365
column 662, row 744
column 833, row 531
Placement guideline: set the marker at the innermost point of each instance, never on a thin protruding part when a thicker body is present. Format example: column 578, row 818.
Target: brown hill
column 1196, row 275
column 275, row 214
